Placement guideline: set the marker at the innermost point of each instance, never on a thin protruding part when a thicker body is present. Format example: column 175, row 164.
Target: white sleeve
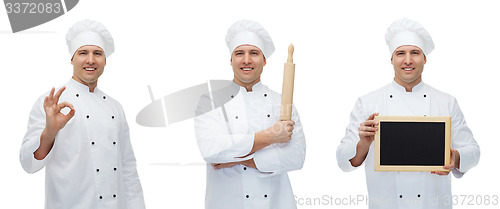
column 216, row 143
column 347, row 147
column 463, row 141
column 133, row 188
column 281, row 158
column 31, row 141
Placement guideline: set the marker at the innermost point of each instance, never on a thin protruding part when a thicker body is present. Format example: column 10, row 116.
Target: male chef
column 86, row 151
column 407, row 95
column 247, row 148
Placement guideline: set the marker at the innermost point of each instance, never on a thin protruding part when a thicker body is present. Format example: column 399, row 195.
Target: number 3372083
column 33, row 8
column 473, row 200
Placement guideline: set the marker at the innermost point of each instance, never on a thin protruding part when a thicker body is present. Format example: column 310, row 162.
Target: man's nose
column 90, row 59
column 408, row 59
column 247, row 59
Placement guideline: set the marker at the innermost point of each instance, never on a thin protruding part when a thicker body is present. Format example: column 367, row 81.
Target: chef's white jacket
column 227, row 133
column 91, row 164
column 409, row 189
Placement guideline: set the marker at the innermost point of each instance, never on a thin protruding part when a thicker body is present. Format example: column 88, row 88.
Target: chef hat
column 247, row 32
column 408, row 32
column 89, row 32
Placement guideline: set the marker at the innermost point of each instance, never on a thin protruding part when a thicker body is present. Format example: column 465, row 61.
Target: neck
column 408, row 85
column 91, row 86
column 247, row 86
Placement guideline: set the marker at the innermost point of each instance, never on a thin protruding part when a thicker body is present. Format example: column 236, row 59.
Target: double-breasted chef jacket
column 227, row 133
column 91, row 164
column 409, row 189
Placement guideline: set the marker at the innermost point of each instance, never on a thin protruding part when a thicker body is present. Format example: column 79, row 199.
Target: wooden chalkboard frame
column 432, row 119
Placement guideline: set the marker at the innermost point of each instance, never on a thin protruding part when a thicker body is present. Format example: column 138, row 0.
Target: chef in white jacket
column 247, row 148
column 86, row 150
column 407, row 95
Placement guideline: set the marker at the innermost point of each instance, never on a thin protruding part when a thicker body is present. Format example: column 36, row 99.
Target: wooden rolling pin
column 287, row 91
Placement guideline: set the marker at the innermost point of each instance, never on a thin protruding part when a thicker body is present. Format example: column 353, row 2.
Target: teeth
column 89, row 69
column 247, row 69
column 408, row 69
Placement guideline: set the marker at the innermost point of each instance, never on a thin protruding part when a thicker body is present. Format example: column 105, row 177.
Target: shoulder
column 109, row 99
column 439, row 94
column 271, row 94
column 376, row 94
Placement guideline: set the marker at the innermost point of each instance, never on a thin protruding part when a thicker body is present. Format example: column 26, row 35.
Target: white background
column 340, row 54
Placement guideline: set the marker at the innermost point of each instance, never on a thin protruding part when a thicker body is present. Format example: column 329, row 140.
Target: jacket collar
column 415, row 89
column 81, row 87
column 257, row 88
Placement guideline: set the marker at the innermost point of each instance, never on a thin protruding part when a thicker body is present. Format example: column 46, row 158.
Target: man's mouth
column 247, row 69
column 89, row 69
column 408, row 69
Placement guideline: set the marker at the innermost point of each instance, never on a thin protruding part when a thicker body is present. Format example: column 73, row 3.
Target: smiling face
column 248, row 63
column 408, row 63
column 88, row 64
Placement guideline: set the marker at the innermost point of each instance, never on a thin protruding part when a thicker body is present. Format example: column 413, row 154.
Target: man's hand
column 367, row 129
column 54, row 121
column 248, row 163
column 366, row 133
column 280, row 132
column 454, row 163
column 218, row 166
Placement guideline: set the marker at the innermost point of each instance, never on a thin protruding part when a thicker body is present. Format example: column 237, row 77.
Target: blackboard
column 412, row 143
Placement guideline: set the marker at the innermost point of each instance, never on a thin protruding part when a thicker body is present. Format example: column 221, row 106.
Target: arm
column 465, row 152
column 43, row 126
column 219, row 145
column 248, row 163
column 133, row 188
column 280, row 132
column 463, row 141
column 215, row 140
column 351, row 151
column 281, row 157
column 55, row 121
column 366, row 133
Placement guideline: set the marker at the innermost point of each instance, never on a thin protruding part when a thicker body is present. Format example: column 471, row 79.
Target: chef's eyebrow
column 251, row 50
column 86, row 50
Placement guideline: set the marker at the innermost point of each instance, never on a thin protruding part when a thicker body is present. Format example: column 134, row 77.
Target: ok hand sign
column 54, row 121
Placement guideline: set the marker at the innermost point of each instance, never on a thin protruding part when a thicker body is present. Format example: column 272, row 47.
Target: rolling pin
column 287, row 91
